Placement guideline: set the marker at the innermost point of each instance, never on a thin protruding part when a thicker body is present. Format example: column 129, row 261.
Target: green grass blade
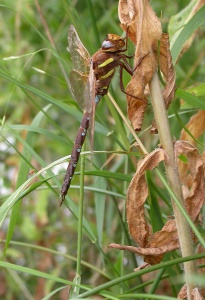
column 196, row 21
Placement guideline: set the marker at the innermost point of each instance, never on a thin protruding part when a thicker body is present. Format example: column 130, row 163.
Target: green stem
column 173, row 177
column 124, row 220
column 77, row 279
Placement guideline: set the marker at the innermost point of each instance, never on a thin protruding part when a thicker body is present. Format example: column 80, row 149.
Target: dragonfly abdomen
column 79, row 141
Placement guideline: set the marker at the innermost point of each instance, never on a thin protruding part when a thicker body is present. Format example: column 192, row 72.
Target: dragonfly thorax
column 104, row 64
column 106, row 59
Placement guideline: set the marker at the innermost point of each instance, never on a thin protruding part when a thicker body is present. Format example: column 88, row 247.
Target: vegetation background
column 39, row 124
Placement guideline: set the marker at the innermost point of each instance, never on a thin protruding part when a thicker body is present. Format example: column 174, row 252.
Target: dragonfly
column 89, row 81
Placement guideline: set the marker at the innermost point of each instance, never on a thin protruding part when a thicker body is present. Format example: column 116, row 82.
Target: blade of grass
column 189, row 28
column 138, row 273
column 75, row 292
column 190, row 98
column 22, row 176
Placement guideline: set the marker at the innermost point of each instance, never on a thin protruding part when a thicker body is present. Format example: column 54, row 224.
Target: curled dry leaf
column 182, row 293
column 165, row 239
column 160, row 243
column 145, row 265
column 136, row 197
column 203, row 157
column 196, row 126
column 153, row 255
column 196, row 293
column 139, row 15
column 145, row 32
column 193, row 179
column 153, row 247
column 166, row 67
column 201, row 261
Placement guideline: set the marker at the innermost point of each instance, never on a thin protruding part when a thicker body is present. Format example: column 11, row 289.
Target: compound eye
column 106, row 45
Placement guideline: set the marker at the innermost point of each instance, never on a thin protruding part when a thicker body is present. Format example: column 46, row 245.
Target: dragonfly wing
column 89, row 96
column 78, row 82
column 79, row 54
column 82, row 79
column 89, row 92
column 81, row 66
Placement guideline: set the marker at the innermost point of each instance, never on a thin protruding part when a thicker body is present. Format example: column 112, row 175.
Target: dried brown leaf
column 196, row 294
column 141, row 19
column 145, row 32
column 193, row 179
column 141, row 251
column 196, row 126
column 182, row 293
column 167, row 238
column 137, row 193
column 161, row 242
column 203, row 157
column 136, row 110
column 166, row 67
column 153, row 247
column 154, row 127
column 145, row 265
column 154, row 255
column 163, row 55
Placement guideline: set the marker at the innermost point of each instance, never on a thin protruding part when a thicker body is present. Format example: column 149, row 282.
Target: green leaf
column 108, row 174
column 196, row 21
column 190, row 99
column 177, row 21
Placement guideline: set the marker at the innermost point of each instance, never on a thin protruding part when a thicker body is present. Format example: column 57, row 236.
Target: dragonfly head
column 113, row 43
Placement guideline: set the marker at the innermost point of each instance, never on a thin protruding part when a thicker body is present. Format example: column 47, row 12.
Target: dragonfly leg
column 139, row 62
column 122, row 86
column 126, row 66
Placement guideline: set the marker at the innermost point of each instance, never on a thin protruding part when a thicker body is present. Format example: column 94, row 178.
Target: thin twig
column 142, row 148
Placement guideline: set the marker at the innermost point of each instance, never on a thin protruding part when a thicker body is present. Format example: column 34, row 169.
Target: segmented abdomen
column 75, row 154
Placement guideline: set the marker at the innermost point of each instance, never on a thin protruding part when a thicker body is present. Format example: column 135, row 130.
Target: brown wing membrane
column 90, row 104
column 79, row 54
column 78, row 82
column 81, row 66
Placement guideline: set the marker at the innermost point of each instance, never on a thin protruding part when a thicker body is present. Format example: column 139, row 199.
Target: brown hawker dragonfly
column 90, row 80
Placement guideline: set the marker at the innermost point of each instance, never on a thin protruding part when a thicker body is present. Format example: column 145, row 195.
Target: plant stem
column 77, row 279
column 141, row 146
column 173, row 177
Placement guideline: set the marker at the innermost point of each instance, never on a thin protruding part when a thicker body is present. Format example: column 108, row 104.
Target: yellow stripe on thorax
column 108, row 74
column 107, row 62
